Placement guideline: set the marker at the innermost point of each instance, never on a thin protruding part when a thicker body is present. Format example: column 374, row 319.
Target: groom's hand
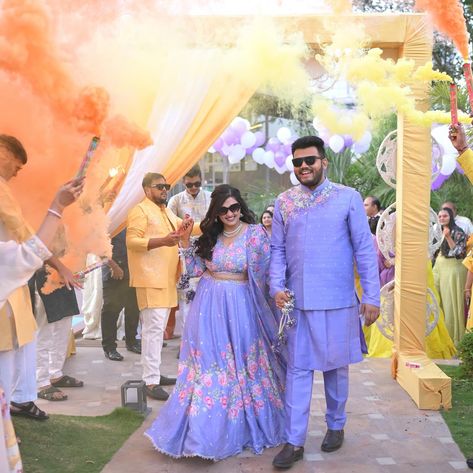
column 370, row 313
column 281, row 298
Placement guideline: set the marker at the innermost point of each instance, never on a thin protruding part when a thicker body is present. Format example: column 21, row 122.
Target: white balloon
column 269, row 159
column 226, row 149
column 212, row 149
column 248, row 139
column 360, row 148
column 336, row 143
column 294, row 180
column 284, row 135
column 237, row 153
column 289, row 164
column 258, row 155
column 448, row 164
column 365, row 139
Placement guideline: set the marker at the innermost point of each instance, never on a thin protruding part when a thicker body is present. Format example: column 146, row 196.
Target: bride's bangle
column 55, row 213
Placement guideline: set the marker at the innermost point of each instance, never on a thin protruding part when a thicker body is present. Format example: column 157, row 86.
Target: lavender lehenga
column 228, row 394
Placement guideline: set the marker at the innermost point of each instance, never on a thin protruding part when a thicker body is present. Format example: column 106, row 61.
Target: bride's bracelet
column 55, row 213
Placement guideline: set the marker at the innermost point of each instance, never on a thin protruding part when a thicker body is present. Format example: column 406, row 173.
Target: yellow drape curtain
column 227, row 96
column 192, row 108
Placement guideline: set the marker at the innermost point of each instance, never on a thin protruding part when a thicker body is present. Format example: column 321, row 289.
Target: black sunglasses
column 309, row 160
column 160, row 187
column 234, row 208
column 189, row 185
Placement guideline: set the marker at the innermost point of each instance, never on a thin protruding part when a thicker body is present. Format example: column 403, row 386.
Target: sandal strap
column 67, row 381
column 30, row 407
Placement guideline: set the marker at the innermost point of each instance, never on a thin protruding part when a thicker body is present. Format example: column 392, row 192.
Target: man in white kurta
column 193, row 201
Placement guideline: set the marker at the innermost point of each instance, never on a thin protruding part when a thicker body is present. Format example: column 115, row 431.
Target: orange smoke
column 49, row 106
column 90, row 110
column 123, row 133
column 447, row 16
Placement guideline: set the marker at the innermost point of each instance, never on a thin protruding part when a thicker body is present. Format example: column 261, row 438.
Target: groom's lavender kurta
column 317, row 237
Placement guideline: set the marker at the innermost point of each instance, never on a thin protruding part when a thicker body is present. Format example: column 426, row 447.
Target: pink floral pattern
column 223, row 386
column 300, row 199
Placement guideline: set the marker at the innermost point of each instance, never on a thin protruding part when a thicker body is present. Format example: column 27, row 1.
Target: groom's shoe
column 332, row 441
column 288, row 456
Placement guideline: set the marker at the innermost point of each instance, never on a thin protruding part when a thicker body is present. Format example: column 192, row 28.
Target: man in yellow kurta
column 17, row 322
column 153, row 260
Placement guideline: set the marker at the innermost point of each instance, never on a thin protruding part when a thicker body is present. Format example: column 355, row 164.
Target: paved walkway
column 385, row 431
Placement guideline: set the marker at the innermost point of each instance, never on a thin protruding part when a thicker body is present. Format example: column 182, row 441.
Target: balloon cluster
column 277, row 152
column 237, row 141
column 340, row 143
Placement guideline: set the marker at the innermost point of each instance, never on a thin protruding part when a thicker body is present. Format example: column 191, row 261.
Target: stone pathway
column 385, row 430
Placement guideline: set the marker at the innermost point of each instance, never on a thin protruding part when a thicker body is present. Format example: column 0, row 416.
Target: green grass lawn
column 74, row 444
column 459, row 418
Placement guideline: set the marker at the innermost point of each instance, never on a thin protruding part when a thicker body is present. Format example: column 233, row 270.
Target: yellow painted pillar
column 429, row 387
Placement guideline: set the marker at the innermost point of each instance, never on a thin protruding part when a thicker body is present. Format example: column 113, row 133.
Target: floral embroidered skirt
column 227, row 397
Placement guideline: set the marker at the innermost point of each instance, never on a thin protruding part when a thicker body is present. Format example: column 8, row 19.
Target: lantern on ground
column 134, row 396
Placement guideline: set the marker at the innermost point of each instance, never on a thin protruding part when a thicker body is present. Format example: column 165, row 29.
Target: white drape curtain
column 180, row 95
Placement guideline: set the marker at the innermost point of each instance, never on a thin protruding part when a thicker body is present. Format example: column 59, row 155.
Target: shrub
column 465, row 353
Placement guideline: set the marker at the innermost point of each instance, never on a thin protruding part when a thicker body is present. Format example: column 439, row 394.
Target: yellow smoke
column 262, row 54
column 338, row 121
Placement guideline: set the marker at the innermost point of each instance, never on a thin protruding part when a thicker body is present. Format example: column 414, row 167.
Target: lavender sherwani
column 317, row 237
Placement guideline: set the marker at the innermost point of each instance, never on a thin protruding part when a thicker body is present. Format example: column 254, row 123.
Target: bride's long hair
column 211, row 226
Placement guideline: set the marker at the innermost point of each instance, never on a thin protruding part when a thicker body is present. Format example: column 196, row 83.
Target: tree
column 444, row 54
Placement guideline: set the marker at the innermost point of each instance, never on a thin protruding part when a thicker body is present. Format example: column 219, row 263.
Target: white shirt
column 18, row 262
column 183, row 203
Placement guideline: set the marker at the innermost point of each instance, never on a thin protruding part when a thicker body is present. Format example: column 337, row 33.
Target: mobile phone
column 94, row 142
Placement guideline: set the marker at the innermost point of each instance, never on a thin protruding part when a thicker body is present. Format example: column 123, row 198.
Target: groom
column 319, row 232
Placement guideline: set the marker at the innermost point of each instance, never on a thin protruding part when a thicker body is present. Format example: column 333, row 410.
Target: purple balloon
column 218, row 144
column 249, row 151
column 438, row 183
column 230, row 137
column 273, row 145
column 348, row 140
column 287, row 150
column 260, row 138
column 239, row 126
column 280, row 158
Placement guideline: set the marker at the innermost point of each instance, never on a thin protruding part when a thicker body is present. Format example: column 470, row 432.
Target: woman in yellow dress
column 438, row 344
column 450, row 274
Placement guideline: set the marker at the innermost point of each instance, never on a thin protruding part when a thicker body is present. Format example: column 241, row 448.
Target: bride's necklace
column 233, row 232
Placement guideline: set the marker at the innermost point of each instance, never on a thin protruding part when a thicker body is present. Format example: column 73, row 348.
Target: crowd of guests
column 205, row 255
column 451, row 277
